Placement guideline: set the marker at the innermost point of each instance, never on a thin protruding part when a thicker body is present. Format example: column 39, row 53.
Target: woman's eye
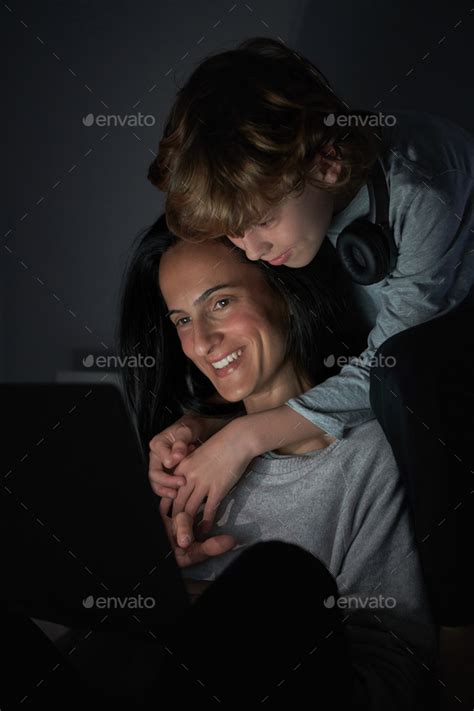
column 266, row 223
column 223, row 301
column 179, row 322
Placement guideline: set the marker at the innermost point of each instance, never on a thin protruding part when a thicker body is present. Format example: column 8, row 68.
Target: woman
column 228, row 330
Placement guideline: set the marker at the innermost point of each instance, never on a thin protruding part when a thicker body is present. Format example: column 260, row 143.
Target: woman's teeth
column 228, row 359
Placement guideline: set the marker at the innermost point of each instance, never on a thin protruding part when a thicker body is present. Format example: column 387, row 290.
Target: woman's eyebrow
column 205, row 295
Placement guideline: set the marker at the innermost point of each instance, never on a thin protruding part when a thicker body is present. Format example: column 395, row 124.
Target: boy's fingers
column 181, row 499
column 194, row 502
column 209, row 514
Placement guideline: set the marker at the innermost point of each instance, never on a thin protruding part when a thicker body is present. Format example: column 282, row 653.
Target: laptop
column 81, row 528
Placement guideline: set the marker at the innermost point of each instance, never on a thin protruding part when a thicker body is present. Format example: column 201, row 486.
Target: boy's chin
column 300, row 261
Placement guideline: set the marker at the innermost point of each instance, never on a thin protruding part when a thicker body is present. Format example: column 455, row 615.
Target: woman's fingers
column 183, row 527
column 216, row 545
column 157, row 475
column 162, row 444
column 182, row 436
column 169, row 480
column 198, row 552
column 180, row 448
column 165, row 505
column 168, row 523
column 163, row 491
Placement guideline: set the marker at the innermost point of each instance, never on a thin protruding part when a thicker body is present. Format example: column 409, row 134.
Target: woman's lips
column 281, row 259
column 222, row 372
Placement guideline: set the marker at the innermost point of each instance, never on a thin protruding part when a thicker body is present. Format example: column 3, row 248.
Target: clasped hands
column 193, row 462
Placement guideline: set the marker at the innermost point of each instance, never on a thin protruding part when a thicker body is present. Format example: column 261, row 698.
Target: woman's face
column 222, row 307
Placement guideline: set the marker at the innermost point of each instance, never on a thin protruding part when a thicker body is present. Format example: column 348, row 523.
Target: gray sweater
column 345, row 504
column 429, row 163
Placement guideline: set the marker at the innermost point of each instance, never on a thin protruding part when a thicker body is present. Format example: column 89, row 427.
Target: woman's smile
column 222, row 368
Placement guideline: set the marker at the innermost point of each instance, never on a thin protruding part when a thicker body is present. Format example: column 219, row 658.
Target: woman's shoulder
column 366, row 454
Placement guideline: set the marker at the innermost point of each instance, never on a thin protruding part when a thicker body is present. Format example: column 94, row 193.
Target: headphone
column 366, row 247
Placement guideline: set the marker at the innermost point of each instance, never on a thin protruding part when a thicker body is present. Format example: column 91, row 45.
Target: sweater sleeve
column 434, row 273
column 387, row 617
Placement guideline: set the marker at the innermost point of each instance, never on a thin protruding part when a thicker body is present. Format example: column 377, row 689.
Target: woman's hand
column 196, row 588
column 171, row 445
column 211, row 471
column 187, row 551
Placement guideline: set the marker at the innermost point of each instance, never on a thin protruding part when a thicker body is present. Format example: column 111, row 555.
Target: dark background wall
column 75, row 196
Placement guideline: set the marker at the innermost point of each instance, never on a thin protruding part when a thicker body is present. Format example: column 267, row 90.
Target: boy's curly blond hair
column 244, row 133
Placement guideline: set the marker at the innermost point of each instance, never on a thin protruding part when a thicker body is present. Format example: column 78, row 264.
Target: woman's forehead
column 190, row 267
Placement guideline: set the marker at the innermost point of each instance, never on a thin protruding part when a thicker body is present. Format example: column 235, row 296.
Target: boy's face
column 292, row 232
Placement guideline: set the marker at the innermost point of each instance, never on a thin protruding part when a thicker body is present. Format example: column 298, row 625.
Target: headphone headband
column 366, row 247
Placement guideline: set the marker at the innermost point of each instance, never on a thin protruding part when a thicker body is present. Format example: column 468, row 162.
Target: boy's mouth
column 281, row 259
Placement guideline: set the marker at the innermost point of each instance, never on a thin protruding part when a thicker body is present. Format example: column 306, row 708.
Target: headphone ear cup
column 363, row 251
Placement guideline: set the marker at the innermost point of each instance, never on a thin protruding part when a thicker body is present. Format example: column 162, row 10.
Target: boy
column 254, row 148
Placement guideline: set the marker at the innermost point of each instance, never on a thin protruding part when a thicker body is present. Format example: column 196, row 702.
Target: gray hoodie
column 429, row 163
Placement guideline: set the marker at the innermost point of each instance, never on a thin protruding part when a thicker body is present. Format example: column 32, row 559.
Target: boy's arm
column 428, row 281
column 262, row 432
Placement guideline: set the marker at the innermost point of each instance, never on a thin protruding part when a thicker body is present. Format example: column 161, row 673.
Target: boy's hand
column 211, row 471
column 187, row 550
column 171, row 445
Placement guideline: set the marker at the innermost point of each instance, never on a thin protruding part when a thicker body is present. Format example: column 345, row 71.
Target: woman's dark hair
column 160, row 383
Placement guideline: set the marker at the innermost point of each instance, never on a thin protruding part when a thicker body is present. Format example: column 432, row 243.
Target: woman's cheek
column 186, row 343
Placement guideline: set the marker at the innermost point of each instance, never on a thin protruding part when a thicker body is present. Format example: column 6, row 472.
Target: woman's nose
column 205, row 337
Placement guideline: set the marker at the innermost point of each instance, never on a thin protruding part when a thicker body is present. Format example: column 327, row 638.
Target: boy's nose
column 254, row 247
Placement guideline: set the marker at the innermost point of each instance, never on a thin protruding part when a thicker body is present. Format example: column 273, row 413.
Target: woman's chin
column 233, row 394
column 231, row 397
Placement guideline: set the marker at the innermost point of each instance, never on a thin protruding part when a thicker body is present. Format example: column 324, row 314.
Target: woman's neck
column 285, row 386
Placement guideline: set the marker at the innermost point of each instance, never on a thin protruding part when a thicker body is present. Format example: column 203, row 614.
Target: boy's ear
column 326, row 166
